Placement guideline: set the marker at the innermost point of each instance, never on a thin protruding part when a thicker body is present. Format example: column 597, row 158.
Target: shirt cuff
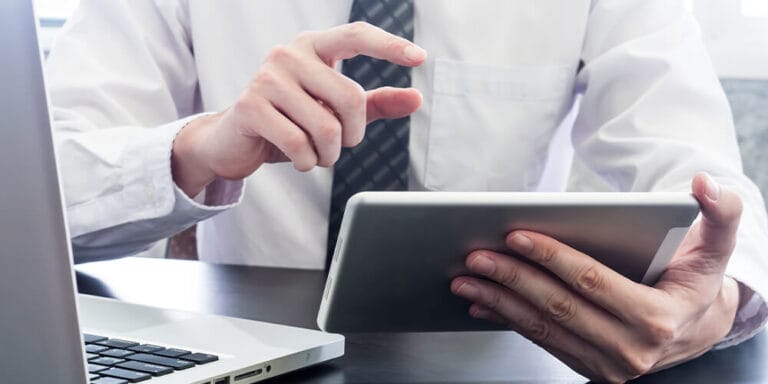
column 218, row 196
column 750, row 319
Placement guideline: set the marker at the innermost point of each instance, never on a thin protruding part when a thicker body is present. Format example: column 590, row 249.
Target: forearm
column 133, row 237
column 120, row 195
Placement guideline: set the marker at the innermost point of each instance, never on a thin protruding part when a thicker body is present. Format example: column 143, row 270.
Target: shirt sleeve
column 750, row 319
column 653, row 114
column 122, row 82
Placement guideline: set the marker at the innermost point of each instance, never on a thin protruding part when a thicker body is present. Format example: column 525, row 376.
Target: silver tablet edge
column 524, row 198
column 346, row 222
column 664, row 254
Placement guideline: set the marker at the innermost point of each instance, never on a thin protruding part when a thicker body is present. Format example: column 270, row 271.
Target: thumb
column 721, row 210
column 391, row 103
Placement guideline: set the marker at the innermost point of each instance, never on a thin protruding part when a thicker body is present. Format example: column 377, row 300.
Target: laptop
column 49, row 333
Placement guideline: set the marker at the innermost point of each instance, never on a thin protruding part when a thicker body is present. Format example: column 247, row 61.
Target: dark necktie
column 380, row 161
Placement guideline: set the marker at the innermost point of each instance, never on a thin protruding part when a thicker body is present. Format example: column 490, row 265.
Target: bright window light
column 55, row 9
column 754, row 8
column 689, row 5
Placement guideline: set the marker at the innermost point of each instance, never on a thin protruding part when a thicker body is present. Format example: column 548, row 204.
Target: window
column 52, row 14
column 754, row 8
column 54, row 9
column 736, row 34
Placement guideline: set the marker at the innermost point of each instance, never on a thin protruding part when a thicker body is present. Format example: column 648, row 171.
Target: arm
column 121, row 78
column 653, row 114
column 120, row 67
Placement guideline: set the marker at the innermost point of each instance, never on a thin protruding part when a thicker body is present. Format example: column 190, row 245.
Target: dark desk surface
column 293, row 296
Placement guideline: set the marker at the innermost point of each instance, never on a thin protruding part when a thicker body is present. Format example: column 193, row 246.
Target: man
column 129, row 81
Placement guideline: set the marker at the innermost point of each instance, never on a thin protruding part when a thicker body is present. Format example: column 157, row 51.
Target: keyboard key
column 91, row 356
column 95, row 368
column 109, row 380
column 133, row 377
column 154, row 370
column 93, row 348
column 119, row 353
column 88, row 338
column 108, row 361
column 146, row 348
column 92, row 376
column 160, row 360
column 172, row 352
column 117, row 343
column 200, row 358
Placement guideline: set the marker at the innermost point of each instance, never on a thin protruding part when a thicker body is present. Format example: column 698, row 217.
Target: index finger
column 603, row 286
column 359, row 38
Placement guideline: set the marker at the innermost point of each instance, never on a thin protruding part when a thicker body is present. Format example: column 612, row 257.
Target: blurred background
column 736, row 35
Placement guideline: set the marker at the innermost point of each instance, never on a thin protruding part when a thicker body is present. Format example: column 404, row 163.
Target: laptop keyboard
column 117, row 361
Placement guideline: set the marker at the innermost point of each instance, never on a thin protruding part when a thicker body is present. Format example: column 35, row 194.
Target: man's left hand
column 603, row 325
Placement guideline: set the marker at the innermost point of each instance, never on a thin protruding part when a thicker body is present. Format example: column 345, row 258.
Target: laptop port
column 248, row 374
column 223, row 380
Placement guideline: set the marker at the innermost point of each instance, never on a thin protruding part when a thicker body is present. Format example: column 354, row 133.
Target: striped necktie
column 380, row 161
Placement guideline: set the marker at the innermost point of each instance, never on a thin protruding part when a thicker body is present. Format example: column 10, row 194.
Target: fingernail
column 414, row 53
column 483, row 265
column 712, row 190
column 520, row 243
column 467, row 290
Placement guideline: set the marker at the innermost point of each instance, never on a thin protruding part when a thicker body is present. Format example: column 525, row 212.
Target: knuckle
column 281, row 54
column 306, row 36
column 539, row 331
column 265, row 79
column 353, row 99
column 635, row 363
column 739, row 207
column 509, row 276
column 545, row 255
column 329, row 131
column 356, row 29
column 660, row 332
column 590, row 280
column 393, row 44
column 493, row 300
column 247, row 104
column 561, row 307
column 294, row 143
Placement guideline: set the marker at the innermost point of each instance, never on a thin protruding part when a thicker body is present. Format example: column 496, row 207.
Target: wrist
column 728, row 301
column 190, row 171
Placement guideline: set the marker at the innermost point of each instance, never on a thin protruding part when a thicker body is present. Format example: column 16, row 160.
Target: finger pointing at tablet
column 297, row 108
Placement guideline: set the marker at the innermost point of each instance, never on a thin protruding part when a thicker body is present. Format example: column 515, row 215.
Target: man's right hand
column 297, row 108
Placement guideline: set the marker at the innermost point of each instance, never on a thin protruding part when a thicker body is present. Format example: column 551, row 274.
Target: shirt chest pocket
column 491, row 126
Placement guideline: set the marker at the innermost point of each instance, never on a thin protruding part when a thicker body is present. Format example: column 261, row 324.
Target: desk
column 293, row 296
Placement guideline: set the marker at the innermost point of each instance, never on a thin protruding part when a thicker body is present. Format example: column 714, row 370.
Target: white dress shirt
column 501, row 77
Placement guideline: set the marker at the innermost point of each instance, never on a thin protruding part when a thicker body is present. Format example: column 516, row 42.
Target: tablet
column 397, row 252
